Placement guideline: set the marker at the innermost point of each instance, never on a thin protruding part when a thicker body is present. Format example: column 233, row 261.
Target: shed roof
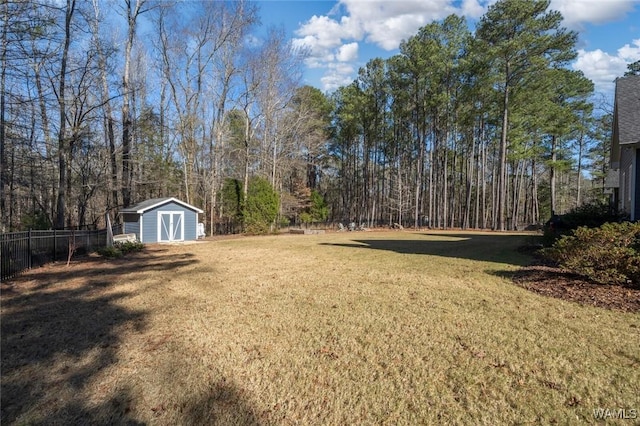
column 155, row 202
column 627, row 107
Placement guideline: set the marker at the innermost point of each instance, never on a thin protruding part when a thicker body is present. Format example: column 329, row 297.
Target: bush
column 284, row 222
column 110, row 252
column 36, row 220
column 129, row 246
column 306, row 217
column 609, row 254
column 318, row 210
column 120, row 248
column 590, row 215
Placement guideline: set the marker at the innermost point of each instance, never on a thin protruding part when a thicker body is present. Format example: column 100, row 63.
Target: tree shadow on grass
column 222, row 404
column 498, row 248
column 97, row 270
column 56, row 338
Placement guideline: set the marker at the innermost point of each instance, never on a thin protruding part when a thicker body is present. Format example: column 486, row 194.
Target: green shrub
column 232, row 199
column 318, row 209
column 261, row 206
column 120, row 248
column 36, row 220
column 609, row 254
column 129, row 246
column 590, row 215
column 110, row 252
column 284, row 222
column 306, row 217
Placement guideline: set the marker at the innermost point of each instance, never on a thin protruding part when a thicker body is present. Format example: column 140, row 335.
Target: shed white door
column 170, row 226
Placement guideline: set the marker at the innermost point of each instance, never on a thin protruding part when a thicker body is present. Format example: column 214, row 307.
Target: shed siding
column 149, row 227
column 190, row 225
column 150, row 222
column 142, row 220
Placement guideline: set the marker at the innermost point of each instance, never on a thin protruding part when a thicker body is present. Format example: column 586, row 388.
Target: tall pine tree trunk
column 419, row 168
column 502, row 165
column 552, row 175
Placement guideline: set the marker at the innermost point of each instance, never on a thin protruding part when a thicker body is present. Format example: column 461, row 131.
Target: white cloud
column 388, row 33
column 630, row 53
column 347, row 52
column 342, row 68
column 473, row 9
column 338, row 36
column 321, row 33
column 603, row 68
column 327, row 31
column 337, row 75
column 385, row 23
column 576, row 13
column 323, row 38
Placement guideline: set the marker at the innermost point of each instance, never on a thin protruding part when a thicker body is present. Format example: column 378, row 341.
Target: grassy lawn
column 342, row 328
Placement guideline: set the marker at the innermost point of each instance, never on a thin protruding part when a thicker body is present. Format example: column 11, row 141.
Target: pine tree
column 521, row 39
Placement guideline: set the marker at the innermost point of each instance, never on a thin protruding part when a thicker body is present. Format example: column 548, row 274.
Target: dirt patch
column 554, row 282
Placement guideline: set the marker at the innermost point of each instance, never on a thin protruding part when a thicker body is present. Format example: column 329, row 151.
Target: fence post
column 29, row 249
column 55, row 246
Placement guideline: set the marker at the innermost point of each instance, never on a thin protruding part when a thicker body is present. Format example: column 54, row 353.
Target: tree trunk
column 466, row 222
column 579, row 174
column 127, row 122
column 63, row 145
column 418, row 185
column 552, row 175
column 502, row 165
column 247, row 135
column 4, row 218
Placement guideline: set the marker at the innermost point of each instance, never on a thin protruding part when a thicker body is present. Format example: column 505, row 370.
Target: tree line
column 105, row 104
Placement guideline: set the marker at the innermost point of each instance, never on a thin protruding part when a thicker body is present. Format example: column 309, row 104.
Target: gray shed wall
column 150, row 222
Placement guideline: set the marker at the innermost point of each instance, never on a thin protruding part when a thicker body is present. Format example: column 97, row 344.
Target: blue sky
column 344, row 35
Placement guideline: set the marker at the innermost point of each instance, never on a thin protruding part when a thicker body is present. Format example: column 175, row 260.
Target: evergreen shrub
column 609, row 254
column 261, row 206
column 121, row 248
column 591, row 215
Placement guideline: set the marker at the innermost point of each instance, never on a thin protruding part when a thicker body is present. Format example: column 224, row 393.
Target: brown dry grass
column 343, row 328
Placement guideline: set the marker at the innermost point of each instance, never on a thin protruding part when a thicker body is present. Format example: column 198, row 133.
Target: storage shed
column 161, row 220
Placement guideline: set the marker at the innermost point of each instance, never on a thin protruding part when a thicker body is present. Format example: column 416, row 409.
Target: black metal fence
column 24, row 250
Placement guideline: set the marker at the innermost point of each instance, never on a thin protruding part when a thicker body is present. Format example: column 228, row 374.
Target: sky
column 342, row 36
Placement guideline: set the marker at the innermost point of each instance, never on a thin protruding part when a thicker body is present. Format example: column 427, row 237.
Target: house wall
column 150, row 222
column 131, row 224
column 626, row 173
column 636, row 186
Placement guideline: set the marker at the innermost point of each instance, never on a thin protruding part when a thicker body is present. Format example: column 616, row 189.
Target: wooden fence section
column 24, row 250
